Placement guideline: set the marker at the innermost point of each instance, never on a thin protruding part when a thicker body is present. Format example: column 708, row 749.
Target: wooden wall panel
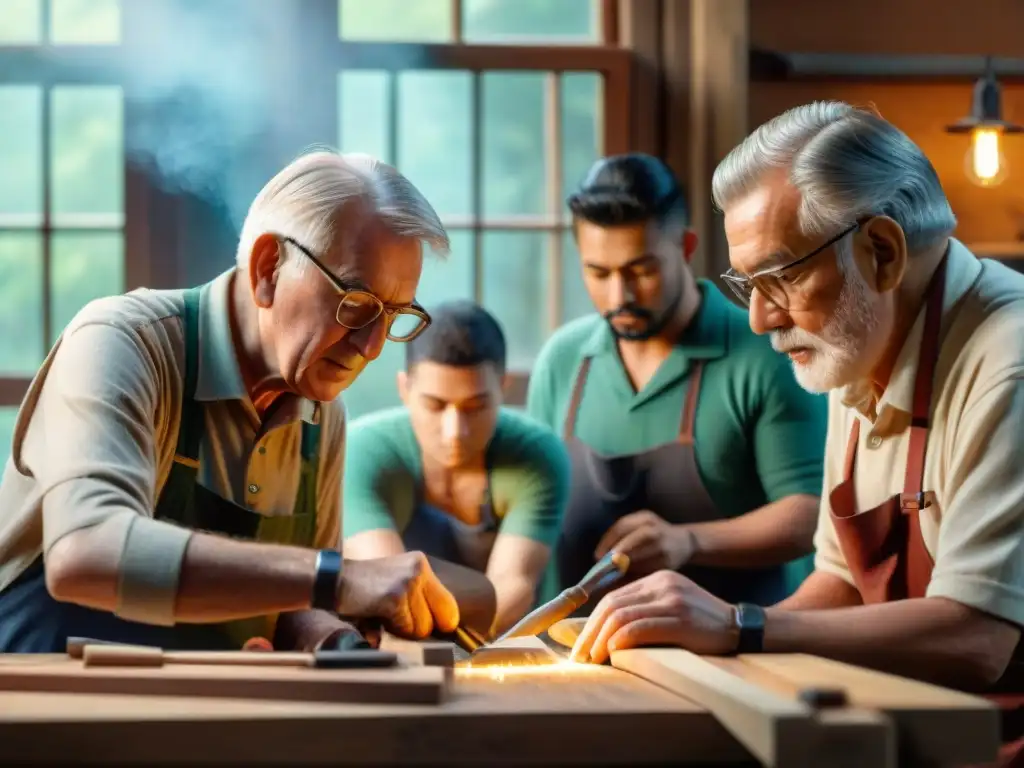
column 953, row 27
column 923, row 110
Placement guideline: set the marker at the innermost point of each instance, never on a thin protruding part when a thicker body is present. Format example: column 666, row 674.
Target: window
column 62, row 181
column 495, row 110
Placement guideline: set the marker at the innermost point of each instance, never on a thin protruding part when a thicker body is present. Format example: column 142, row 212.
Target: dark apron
column 434, row 532
column 664, row 480
column 31, row 621
column 883, row 546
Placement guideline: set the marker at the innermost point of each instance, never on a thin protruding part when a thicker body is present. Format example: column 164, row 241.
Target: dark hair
column 629, row 189
column 461, row 334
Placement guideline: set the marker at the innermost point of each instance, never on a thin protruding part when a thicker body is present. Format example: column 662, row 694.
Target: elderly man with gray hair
column 175, row 475
column 840, row 243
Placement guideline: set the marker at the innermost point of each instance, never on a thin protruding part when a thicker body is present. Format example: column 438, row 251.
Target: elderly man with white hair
column 175, row 476
column 840, row 244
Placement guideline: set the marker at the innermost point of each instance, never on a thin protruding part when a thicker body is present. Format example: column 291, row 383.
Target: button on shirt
column 95, row 438
column 974, row 530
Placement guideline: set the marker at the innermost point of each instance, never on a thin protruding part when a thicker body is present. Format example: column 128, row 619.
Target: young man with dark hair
column 693, row 448
column 452, row 473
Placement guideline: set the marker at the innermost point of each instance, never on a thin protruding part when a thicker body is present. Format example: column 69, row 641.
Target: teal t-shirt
column 529, row 475
column 758, row 435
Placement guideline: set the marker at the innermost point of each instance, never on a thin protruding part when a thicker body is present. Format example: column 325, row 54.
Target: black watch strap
column 750, row 620
column 326, row 585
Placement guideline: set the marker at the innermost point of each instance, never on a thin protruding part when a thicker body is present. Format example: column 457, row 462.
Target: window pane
column 88, row 151
column 21, row 22
column 8, row 415
column 513, row 143
column 531, row 20
column 21, row 154
column 410, row 20
column 21, row 303
column 582, row 114
column 364, row 119
column 84, row 266
column 575, row 301
column 515, row 280
column 441, row 280
column 85, row 22
column 434, row 137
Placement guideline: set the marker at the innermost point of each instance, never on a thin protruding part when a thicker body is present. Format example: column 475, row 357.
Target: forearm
column 515, row 596
column 220, row 579
column 771, row 535
column 931, row 639
column 821, row 590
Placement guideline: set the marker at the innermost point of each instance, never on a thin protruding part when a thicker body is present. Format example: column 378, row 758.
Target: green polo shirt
column 529, row 475
column 758, row 435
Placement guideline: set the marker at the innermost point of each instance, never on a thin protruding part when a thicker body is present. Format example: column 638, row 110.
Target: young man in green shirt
column 693, row 448
column 452, row 473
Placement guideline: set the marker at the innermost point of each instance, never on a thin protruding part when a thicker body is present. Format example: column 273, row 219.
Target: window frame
column 613, row 63
column 48, row 65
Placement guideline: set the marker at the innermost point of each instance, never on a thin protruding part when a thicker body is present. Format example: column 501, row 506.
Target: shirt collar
column 705, row 338
column 897, row 401
column 220, row 376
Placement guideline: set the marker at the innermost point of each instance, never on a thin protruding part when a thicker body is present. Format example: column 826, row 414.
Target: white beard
column 838, row 352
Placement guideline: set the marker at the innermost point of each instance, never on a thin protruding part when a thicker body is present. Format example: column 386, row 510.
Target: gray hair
column 308, row 198
column 847, row 163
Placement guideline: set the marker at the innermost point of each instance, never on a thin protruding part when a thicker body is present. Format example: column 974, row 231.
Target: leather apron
column 434, row 532
column 883, row 546
column 31, row 621
column 664, row 480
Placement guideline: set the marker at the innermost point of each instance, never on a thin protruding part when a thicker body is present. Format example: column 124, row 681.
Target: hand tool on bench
column 608, row 571
column 99, row 653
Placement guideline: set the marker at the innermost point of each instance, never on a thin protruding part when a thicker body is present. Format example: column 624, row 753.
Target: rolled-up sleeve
column 979, row 559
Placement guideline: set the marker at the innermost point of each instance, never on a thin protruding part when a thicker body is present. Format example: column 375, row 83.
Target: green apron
column 185, row 502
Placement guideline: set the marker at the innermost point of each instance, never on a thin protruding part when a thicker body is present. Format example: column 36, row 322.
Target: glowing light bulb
column 985, row 164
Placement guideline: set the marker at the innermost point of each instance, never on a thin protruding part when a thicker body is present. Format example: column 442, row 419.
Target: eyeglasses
column 772, row 282
column 358, row 308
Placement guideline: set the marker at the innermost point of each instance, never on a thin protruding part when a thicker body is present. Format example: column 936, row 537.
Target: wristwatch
column 750, row 621
column 327, row 583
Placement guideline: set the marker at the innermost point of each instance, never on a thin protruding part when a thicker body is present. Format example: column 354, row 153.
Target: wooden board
column 777, row 729
column 421, row 653
column 566, row 715
column 399, row 685
column 516, row 651
column 566, row 631
column 934, row 725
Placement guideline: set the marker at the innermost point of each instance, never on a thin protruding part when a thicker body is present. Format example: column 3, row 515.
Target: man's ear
column 886, row 247
column 264, row 259
column 402, row 382
column 689, row 244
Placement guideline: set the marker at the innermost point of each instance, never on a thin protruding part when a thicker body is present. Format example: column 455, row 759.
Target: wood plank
column 422, row 653
column 777, row 730
column 400, row 685
column 566, row 631
column 847, row 735
column 566, row 715
column 516, row 651
column 934, row 725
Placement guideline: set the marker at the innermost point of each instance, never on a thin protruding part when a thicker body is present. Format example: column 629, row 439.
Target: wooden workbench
column 700, row 712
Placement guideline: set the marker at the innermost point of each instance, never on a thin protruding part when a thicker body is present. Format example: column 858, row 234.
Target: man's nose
column 369, row 340
column 764, row 314
column 453, row 424
column 620, row 291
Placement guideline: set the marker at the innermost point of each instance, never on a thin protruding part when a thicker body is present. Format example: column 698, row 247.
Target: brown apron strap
column 851, row 449
column 689, row 416
column 569, row 429
column 913, row 484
